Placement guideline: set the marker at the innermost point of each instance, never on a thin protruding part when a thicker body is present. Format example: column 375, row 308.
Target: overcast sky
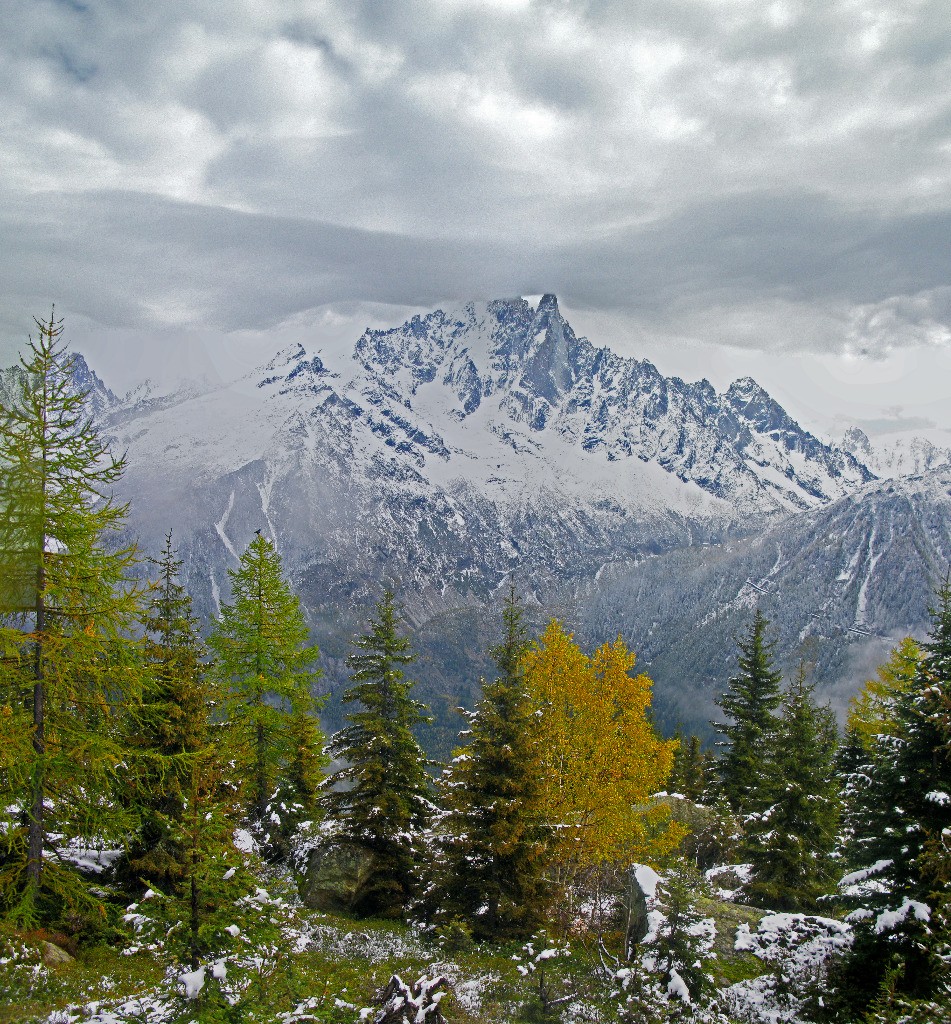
column 724, row 186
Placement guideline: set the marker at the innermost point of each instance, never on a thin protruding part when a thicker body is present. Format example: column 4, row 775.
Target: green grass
column 349, row 963
column 97, row 974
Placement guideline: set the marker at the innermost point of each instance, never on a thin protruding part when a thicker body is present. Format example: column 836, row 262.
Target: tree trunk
column 36, row 839
column 260, row 797
column 194, row 919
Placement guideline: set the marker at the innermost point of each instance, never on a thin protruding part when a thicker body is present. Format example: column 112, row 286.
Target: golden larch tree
column 599, row 759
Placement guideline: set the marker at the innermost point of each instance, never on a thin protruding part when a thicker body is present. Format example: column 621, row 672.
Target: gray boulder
column 336, row 875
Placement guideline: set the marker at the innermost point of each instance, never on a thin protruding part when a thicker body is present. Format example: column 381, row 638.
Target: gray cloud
column 769, row 175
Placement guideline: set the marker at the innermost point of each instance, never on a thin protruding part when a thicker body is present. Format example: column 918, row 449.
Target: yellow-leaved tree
column 599, row 759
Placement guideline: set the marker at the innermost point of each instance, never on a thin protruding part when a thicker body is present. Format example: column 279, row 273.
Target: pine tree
column 897, row 891
column 169, row 732
column 68, row 609
column 688, row 777
column 382, row 800
column 495, row 843
column 750, row 703
column 792, row 842
column 262, row 654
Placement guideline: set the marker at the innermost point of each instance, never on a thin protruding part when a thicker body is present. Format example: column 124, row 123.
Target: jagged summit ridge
column 902, row 456
column 458, row 446
column 529, row 365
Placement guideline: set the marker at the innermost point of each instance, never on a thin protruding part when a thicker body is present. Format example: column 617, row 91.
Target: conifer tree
column 382, row 800
column 215, row 919
column 871, row 726
column 494, row 839
column 688, row 777
column 673, row 961
column 749, row 704
column 68, row 609
column 169, row 731
column 897, row 892
column 262, row 655
column 187, row 799
column 871, row 710
column 791, row 843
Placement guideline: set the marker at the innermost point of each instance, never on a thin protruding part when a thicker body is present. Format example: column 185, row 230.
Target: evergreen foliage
column 192, row 912
column 224, row 928
column 169, row 731
column 669, row 974
column 200, row 905
column 872, row 709
column 68, row 609
column 495, row 848
column 679, row 943
column 688, row 777
column 897, row 890
column 754, row 695
column 381, row 800
column 791, row 843
column 262, row 655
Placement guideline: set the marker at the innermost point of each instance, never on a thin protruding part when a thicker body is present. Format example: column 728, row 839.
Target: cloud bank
column 770, row 176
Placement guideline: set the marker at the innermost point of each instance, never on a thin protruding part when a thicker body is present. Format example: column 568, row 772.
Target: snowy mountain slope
column 449, row 451
column 896, row 456
column 443, row 455
column 526, row 365
column 841, row 585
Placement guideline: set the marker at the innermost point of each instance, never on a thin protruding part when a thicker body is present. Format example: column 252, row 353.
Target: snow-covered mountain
column 456, row 448
column 841, row 586
column 896, row 456
column 445, row 454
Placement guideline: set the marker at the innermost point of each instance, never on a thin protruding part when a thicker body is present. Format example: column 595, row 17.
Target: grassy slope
column 343, row 968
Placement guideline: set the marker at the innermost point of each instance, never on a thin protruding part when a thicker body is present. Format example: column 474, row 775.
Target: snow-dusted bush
column 668, row 976
column 796, row 949
column 246, row 938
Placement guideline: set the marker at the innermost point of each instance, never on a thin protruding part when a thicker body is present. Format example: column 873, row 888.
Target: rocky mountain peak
column 756, row 408
column 547, row 370
column 84, row 378
column 857, row 442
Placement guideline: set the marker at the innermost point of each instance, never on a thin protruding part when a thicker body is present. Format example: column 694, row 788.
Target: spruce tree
column 169, row 731
column 674, row 959
column 381, row 802
column 187, row 798
column 215, row 919
column 688, row 777
column 262, row 656
column 897, row 890
column 749, row 704
column 493, row 836
column 791, row 843
column 68, row 610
